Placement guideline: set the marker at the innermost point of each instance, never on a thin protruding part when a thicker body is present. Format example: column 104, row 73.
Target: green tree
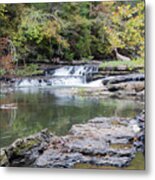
column 125, row 27
column 74, row 30
column 38, row 34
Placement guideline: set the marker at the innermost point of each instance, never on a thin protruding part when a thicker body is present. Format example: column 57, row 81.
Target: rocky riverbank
column 102, row 141
column 130, row 86
column 124, row 87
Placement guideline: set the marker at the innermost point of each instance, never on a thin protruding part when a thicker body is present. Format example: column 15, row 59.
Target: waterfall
column 80, row 71
column 64, row 76
column 73, row 75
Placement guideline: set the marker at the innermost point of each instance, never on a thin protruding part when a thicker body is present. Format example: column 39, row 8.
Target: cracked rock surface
column 102, row 141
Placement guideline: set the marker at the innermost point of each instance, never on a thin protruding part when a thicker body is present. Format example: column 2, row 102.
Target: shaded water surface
column 55, row 109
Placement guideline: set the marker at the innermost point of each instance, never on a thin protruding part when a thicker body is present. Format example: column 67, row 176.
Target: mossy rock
column 25, row 145
column 3, row 158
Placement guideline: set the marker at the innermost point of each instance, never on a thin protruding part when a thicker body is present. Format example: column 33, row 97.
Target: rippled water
column 56, row 109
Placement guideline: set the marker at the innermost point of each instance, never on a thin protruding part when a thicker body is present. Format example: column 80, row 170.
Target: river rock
column 23, row 152
column 3, row 158
column 123, row 78
column 128, row 86
column 101, row 141
column 92, row 143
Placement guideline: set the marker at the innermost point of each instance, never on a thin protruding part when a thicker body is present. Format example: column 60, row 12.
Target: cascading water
column 76, row 70
column 64, row 76
column 73, row 75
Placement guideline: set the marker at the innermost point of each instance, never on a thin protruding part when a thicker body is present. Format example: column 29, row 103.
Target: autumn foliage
column 73, row 30
column 6, row 61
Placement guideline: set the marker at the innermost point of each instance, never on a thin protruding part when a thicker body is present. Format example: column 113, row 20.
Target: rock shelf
column 103, row 141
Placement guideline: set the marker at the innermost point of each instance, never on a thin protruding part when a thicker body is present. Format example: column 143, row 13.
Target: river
column 34, row 109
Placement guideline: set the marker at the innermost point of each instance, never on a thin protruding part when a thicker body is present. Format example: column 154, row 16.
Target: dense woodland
column 49, row 32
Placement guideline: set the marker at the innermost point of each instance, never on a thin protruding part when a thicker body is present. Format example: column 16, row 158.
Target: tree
column 125, row 27
column 38, row 32
column 74, row 30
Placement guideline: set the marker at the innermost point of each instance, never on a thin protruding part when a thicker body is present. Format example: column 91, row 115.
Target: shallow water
column 55, row 109
column 138, row 163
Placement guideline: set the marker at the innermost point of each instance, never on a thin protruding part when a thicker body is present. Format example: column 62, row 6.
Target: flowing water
column 32, row 109
column 64, row 76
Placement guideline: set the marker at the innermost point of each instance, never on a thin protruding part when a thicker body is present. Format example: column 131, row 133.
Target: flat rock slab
column 92, row 143
column 102, row 142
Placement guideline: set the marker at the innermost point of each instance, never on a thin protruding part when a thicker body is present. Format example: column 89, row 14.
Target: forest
column 73, row 85
column 55, row 32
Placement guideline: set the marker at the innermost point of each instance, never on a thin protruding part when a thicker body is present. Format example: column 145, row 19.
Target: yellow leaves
column 62, row 42
column 126, row 27
column 114, row 40
column 141, row 6
column 125, row 10
column 116, row 19
column 50, row 29
column 105, row 6
column 80, row 21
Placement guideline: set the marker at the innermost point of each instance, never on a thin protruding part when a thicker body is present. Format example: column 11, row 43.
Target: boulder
column 23, row 152
column 127, row 86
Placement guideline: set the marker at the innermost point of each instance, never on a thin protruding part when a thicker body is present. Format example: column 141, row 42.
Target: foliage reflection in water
column 57, row 110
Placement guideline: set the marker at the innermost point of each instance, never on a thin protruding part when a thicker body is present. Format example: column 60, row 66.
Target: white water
column 96, row 83
column 30, row 83
column 65, row 76
column 76, row 70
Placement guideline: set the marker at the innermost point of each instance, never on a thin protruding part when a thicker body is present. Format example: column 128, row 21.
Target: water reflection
column 57, row 110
